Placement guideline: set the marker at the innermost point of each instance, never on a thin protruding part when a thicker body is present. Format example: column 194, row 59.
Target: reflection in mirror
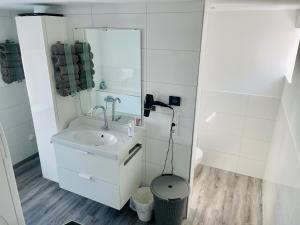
column 117, row 65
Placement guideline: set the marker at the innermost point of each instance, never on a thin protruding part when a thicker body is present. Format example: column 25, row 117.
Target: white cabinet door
column 7, row 211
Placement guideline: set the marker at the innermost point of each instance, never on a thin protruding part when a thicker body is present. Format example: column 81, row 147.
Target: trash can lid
column 170, row 187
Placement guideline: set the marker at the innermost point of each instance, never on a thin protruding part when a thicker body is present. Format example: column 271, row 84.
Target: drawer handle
column 137, row 148
column 84, row 176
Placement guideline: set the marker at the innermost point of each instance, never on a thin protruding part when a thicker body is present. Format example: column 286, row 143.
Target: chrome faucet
column 114, row 109
column 105, row 127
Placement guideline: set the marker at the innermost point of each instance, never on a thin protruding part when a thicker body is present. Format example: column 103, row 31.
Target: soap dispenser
column 130, row 129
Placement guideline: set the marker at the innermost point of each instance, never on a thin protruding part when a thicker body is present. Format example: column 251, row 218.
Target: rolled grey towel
column 84, row 85
column 79, row 47
column 82, row 66
column 61, row 85
column 9, row 79
column 62, row 70
column 64, row 78
column 83, row 74
column 82, row 58
column 60, row 60
column 59, row 49
column 9, row 47
column 10, row 56
column 83, row 78
column 66, row 91
column 5, row 63
column 14, row 71
column 12, row 76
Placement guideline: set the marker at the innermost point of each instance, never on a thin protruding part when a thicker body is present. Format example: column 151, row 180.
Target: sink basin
column 84, row 134
column 94, row 138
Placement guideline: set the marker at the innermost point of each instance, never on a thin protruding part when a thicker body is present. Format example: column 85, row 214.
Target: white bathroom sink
column 94, row 138
column 85, row 134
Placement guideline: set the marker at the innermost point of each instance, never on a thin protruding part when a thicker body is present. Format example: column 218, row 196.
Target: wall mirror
column 117, row 73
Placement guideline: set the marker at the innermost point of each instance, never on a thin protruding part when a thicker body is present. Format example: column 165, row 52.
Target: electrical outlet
column 176, row 127
column 176, row 130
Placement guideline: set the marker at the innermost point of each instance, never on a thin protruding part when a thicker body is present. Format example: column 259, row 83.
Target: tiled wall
column 15, row 114
column 236, row 130
column 171, row 35
column 245, row 58
column 281, row 189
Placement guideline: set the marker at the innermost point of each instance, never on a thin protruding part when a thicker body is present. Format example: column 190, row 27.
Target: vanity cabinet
column 105, row 180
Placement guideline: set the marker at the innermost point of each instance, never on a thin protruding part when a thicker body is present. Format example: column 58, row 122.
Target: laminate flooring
column 218, row 198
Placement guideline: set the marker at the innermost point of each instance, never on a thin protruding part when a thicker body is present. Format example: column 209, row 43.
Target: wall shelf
column 120, row 92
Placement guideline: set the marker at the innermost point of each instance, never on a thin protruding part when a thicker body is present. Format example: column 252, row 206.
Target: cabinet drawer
column 83, row 162
column 89, row 187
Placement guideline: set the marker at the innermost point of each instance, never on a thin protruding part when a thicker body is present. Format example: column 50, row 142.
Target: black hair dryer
column 149, row 103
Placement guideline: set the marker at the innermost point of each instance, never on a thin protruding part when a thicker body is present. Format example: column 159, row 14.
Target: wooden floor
column 219, row 198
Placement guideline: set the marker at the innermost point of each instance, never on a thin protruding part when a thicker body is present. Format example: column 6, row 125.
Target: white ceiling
column 255, row 4
column 212, row 4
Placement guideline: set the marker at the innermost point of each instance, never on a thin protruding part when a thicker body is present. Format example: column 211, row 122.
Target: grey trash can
column 170, row 198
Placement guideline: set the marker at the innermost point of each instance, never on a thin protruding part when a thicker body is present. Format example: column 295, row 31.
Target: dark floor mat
column 72, row 223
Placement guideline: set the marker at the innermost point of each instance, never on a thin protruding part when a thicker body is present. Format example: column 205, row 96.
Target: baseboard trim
column 35, row 155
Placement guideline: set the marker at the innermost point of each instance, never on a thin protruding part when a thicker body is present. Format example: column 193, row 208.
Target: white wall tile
column 219, row 160
column 118, row 8
column 17, row 95
column 251, row 168
column 219, row 141
column 162, row 92
column 8, row 29
column 13, row 116
column 254, row 149
column 18, row 141
column 289, row 163
column 251, row 59
column 4, row 13
column 167, row 7
column 77, row 21
column 177, row 31
column 260, row 129
column 122, row 21
column 224, row 102
column 263, row 107
column 74, row 9
column 283, row 164
column 224, row 122
column 174, row 67
column 158, row 126
column 157, row 150
column 152, row 171
column 232, row 123
column 291, row 90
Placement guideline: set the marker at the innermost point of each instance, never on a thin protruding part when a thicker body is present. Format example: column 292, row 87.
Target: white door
column 10, row 205
column 7, row 211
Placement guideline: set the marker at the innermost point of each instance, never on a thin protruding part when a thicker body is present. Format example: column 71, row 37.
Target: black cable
column 171, row 143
